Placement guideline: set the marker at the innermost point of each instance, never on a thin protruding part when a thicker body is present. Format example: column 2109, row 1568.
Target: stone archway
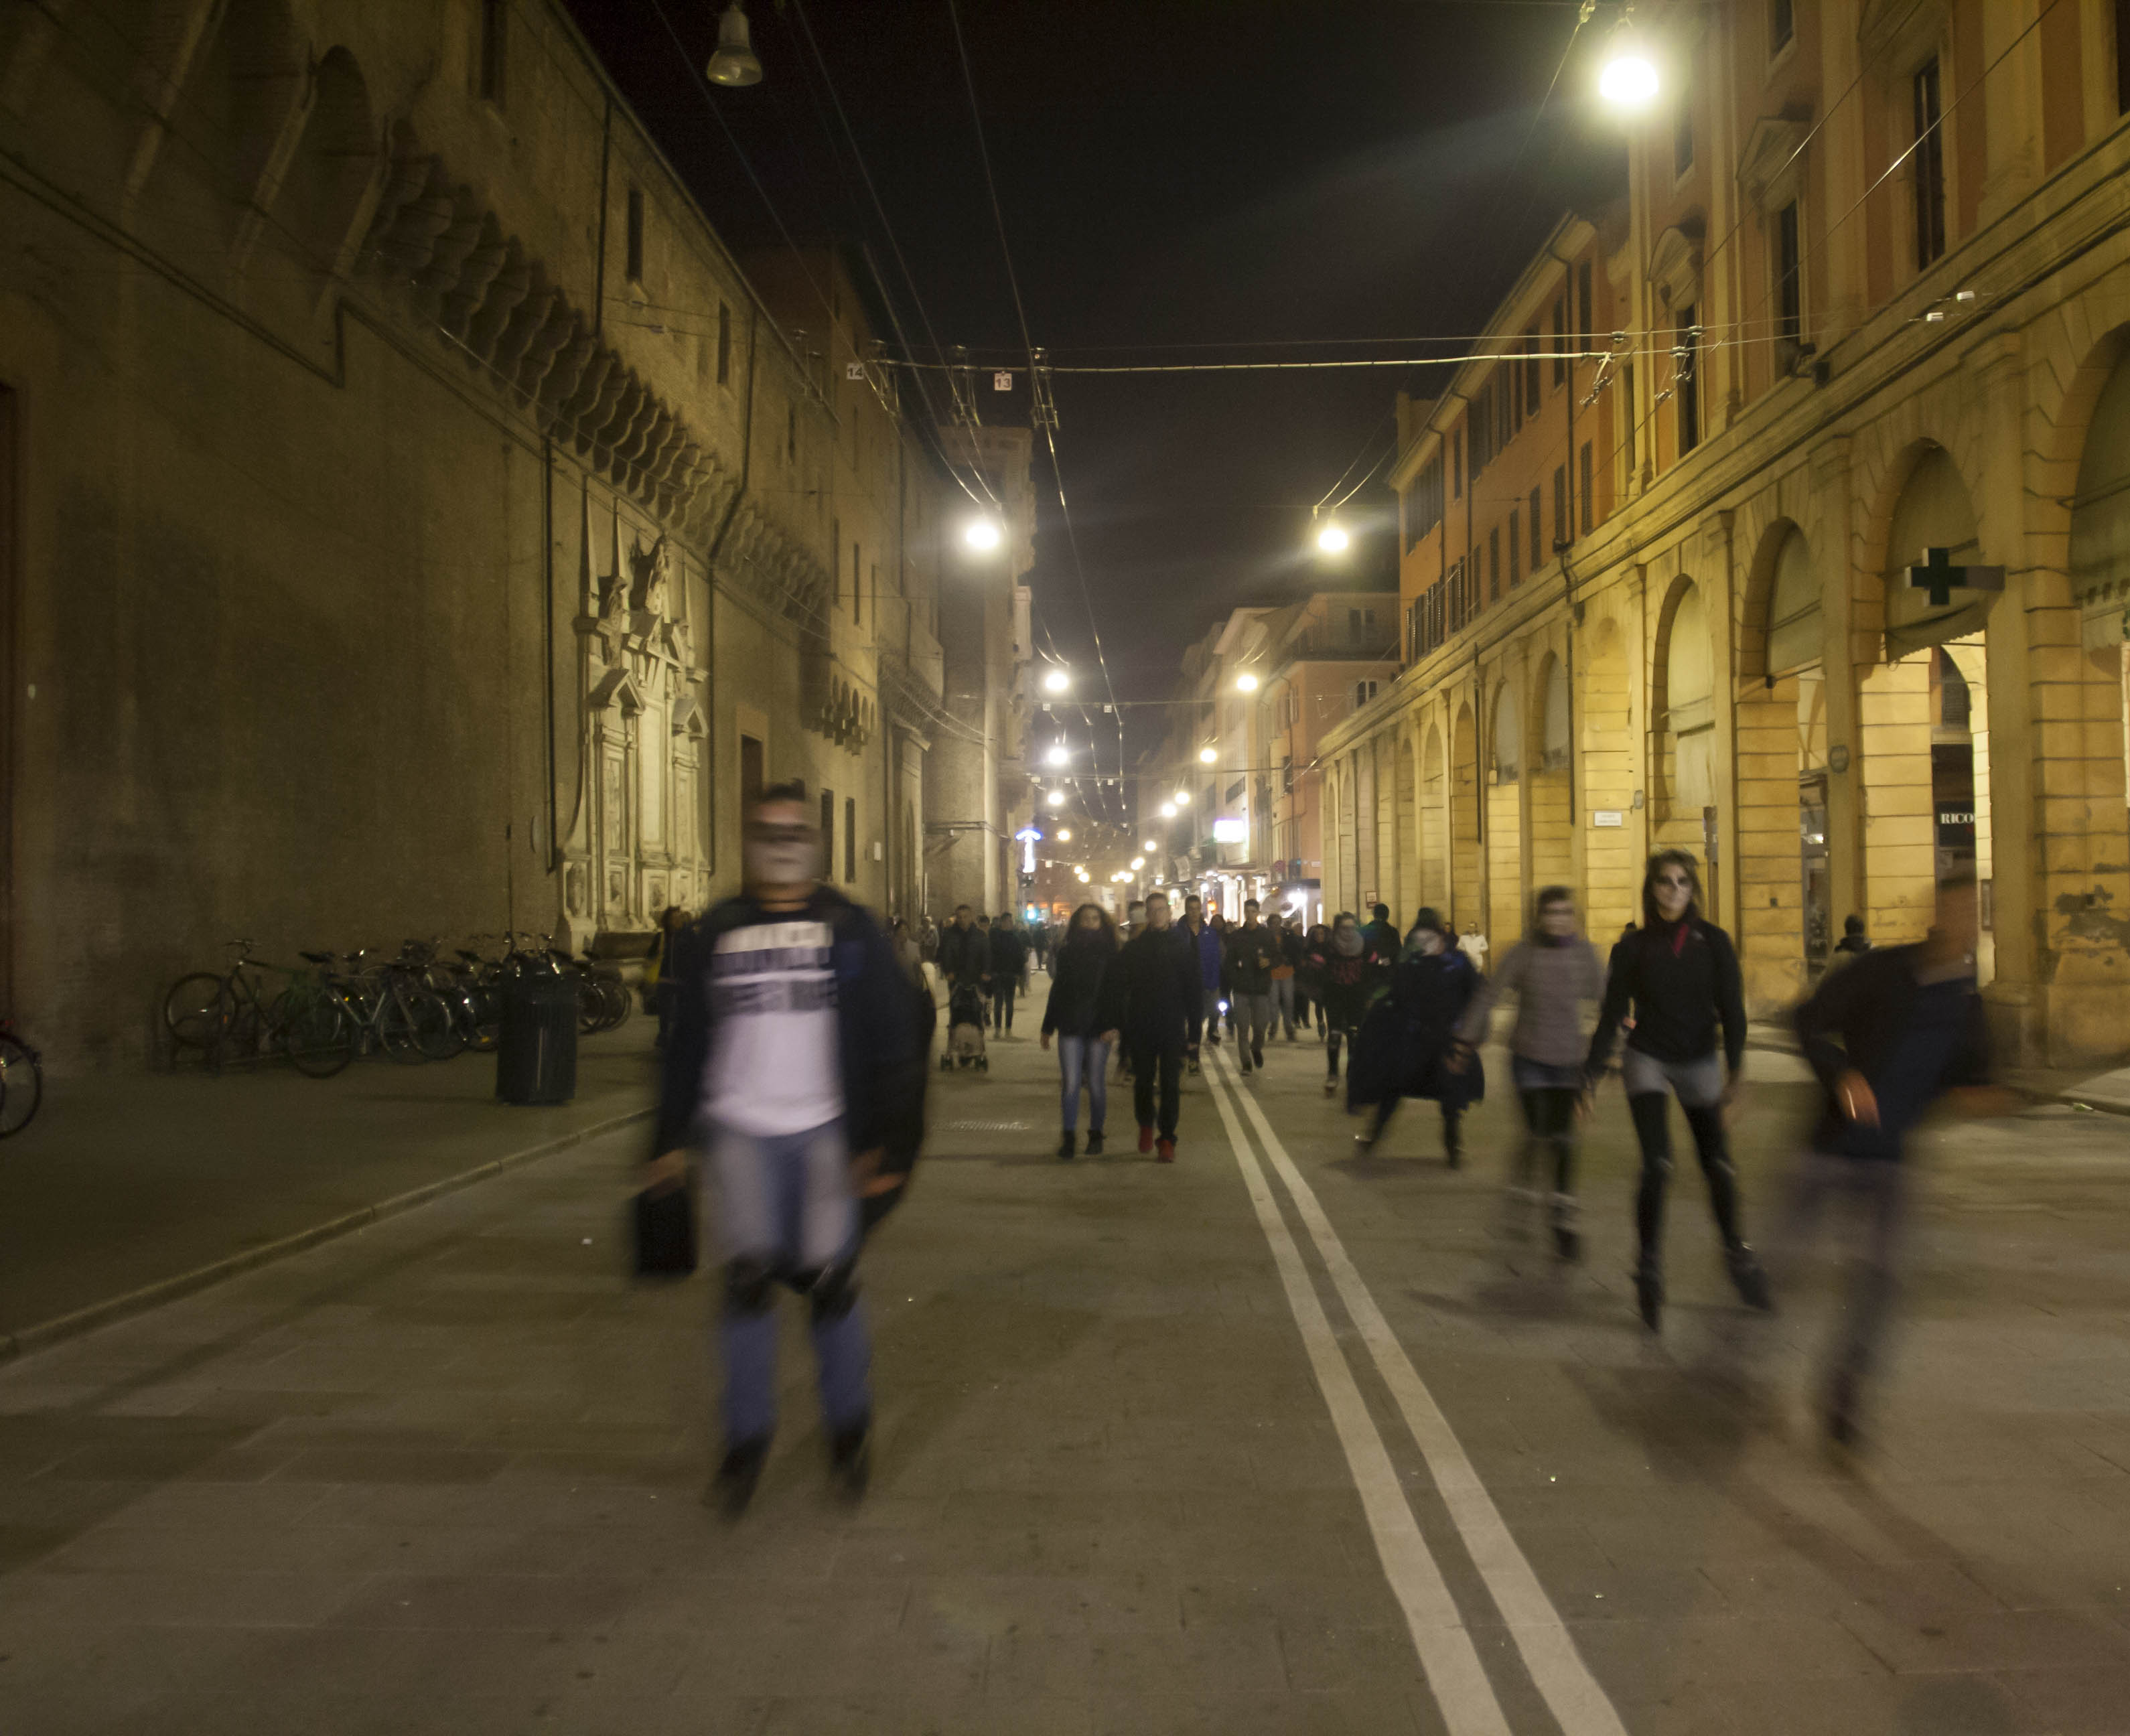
column 1504, row 866
column 1465, row 889
column 1612, row 875
column 1547, row 777
column 1683, row 715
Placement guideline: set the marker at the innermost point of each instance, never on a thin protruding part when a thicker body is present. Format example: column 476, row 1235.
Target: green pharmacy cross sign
column 1940, row 577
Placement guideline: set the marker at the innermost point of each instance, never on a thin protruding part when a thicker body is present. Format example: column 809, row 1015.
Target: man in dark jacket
column 1009, row 956
column 1888, row 1035
column 1252, row 950
column 964, row 951
column 1205, row 941
column 1150, row 996
column 1679, row 977
column 793, row 1062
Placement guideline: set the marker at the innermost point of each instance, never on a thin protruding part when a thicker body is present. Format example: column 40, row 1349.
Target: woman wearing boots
column 1349, row 973
column 1407, row 1046
column 1678, row 975
column 1078, row 966
column 1551, row 972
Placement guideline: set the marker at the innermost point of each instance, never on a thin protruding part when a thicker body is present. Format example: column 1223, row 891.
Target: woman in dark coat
column 1407, row 1041
column 1349, row 972
column 1079, row 964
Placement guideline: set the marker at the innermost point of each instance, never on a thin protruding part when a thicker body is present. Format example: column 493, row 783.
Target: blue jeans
column 784, row 1211
column 1084, row 1060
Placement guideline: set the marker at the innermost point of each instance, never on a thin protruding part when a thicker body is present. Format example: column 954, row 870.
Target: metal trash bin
column 536, row 1051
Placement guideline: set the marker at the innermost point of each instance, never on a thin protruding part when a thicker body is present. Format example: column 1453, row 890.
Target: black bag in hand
column 664, row 1233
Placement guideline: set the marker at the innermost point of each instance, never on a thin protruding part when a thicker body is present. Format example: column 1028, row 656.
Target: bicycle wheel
column 21, row 1086
column 436, row 1031
column 619, row 1002
column 318, row 1036
column 193, row 1011
column 396, row 1028
column 591, row 1007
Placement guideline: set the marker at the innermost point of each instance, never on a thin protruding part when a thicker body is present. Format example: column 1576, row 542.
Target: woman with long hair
column 1079, row 965
column 1551, row 971
column 1678, row 975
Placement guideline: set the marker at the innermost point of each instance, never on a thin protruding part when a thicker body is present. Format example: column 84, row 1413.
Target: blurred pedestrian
column 1252, row 952
column 794, row 1063
column 1407, row 1044
column 1552, row 972
column 1886, row 1035
column 1206, row 947
column 1309, row 976
column 963, row 955
column 1853, row 938
column 671, row 921
column 1288, row 944
column 1677, row 975
column 1351, row 973
column 1073, row 1014
column 1150, row 995
column 1473, row 944
column 1009, row 959
column 907, row 952
column 1381, row 931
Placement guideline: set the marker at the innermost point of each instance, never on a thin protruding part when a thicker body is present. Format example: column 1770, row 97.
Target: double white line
column 1439, row 1635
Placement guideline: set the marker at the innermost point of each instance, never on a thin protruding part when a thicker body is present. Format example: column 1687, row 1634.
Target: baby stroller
column 965, row 1030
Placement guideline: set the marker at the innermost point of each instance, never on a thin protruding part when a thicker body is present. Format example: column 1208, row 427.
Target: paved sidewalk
column 128, row 1179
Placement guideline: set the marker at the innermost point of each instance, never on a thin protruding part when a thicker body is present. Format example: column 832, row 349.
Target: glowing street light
column 1182, row 798
column 1149, row 846
column 1628, row 80
column 1333, row 540
column 1138, row 862
column 1064, row 834
column 1168, row 810
column 733, row 64
column 1056, row 681
column 1245, row 683
column 1207, row 755
column 982, row 535
column 1056, row 799
column 1058, row 755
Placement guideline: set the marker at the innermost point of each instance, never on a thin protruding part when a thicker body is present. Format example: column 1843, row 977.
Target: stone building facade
column 414, row 520
column 1866, row 295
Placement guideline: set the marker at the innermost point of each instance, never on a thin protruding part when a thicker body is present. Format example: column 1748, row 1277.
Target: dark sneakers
column 1751, row 1281
column 850, row 1459
column 738, row 1472
column 1257, row 1054
column 1095, row 1142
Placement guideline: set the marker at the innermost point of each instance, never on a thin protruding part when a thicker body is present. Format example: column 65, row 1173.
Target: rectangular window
column 791, row 434
column 1368, row 620
column 1588, row 323
column 1682, row 127
column 1457, row 450
column 1494, row 565
column 1782, row 25
column 488, row 57
column 1627, row 414
column 1789, row 279
column 855, row 570
column 1559, row 340
column 1582, row 501
column 835, row 563
column 1538, row 557
column 724, row 344
column 872, row 590
column 1353, row 625
column 1516, row 548
column 850, row 837
column 1929, row 167
column 828, row 832
column 1560, row 504
column 751, row 781
column 1686, row 383
column 2122, row 56
column 1513, row 380
column 1363, row 691
column 635, row 235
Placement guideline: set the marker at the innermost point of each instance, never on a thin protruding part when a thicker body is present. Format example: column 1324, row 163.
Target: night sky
column 1181, row 180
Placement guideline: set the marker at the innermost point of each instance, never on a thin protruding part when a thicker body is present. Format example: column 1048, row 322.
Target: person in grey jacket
column 1552, row 972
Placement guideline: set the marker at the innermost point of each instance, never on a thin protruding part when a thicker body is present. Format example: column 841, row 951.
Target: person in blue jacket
column 1407, row 1046
column 1207, row 948
column 795, row 1065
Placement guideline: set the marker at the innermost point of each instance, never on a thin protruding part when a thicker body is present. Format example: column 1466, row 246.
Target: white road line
column 1557, row 1668
column 1447, row 1656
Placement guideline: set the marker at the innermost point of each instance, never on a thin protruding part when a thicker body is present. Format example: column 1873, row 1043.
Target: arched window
column 1793, row 619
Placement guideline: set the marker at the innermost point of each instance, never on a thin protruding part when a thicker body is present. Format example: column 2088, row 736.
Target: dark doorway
column 1811, row 863
column 10, row 686
column 750, row 772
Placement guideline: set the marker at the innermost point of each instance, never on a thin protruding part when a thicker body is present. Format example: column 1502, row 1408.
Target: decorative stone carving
column 1771, row 162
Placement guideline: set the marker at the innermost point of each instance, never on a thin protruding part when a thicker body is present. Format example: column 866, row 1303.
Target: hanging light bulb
column 733, row 63
column 1058, row 755
column 1245, row 683
column 1138, row 862
column 1333, row 540
column 1182, row 798
column 1056, row 799
column 1064, row 834
column 1057, row 681
column 983, row 535
column 1207, row 755
column 1628, row 79
column 1168, row 810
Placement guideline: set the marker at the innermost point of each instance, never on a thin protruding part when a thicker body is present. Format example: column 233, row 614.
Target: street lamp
column 1168, row 810
column 1058, row 755
column 1149, row 846
column 1628, row 79
column 982, row 534
column 1333, row 540
column 1064, row 834
column 1207, row 755
column 734, row 62
column 1056, row 681
column 1056, row 799
column 1182, row 798
column 1138, row 862
column 1245, row 683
